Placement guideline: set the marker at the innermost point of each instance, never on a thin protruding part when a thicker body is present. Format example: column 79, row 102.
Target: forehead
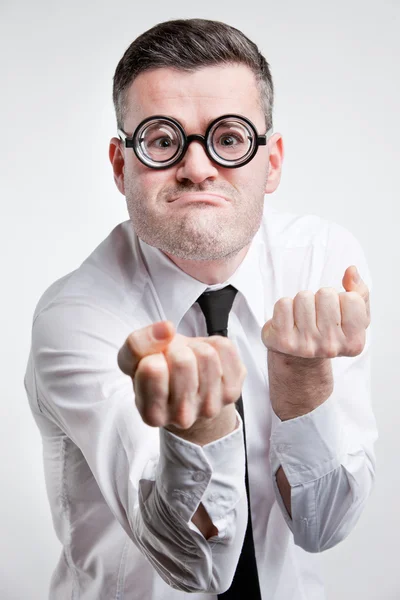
column 194, row 98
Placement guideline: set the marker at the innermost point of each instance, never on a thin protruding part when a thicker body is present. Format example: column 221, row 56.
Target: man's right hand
column 189, row 385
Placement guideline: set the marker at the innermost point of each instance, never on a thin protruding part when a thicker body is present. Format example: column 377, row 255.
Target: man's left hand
column 325, row 325
column 304, row 334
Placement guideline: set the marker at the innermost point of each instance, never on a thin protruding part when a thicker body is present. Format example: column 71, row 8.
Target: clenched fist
column 322, row 325
column 183, row 383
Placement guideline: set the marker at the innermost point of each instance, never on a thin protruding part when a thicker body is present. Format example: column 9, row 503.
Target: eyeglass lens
column 230, row 140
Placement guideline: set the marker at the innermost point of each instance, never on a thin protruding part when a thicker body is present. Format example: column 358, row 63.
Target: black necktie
column 216, row 306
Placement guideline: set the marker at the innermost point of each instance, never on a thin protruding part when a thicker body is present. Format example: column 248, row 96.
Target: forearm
column 297, row 386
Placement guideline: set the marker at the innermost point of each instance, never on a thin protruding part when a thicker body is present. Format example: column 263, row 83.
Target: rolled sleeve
column 212, row 474
column 310, row 449
column 310, row 446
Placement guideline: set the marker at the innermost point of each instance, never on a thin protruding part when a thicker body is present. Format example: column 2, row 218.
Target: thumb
column 162, row 330
column 151, row 339
column 352, row 281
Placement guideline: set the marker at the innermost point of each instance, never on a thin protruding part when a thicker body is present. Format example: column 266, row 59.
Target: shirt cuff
column 310, row 446
column 186, row 471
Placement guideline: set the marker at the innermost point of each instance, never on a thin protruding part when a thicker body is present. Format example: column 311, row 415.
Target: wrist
column 298, row 385
column 205, row 430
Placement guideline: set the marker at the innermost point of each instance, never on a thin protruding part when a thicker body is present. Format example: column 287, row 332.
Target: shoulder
column 100, row 300
column 290, row 230
column 308, row 251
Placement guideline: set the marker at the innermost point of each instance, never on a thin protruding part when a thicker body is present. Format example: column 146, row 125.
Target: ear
column 116, row 154
column 276, row 155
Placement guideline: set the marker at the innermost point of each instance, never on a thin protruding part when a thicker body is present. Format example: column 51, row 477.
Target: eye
column 160, row 145
column 230, row 140
column 162, row 142
column 159, row 138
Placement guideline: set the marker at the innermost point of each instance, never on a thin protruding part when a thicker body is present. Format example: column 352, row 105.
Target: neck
column 213, row 271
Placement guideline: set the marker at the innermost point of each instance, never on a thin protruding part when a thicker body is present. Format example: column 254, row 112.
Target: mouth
column 200, row 197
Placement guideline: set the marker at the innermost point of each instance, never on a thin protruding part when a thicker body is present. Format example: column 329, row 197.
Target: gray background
column 336, row 72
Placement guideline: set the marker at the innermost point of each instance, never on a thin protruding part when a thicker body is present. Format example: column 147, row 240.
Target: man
column 166, row 424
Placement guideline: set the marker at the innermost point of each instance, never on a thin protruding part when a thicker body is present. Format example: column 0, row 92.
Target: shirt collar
column 177, row 291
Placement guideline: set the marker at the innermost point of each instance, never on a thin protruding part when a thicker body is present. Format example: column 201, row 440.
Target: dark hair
column 187, row 45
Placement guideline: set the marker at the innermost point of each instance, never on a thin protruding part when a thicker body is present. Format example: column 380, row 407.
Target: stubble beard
column 202, row 232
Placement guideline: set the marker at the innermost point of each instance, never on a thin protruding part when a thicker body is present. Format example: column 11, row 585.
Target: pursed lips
column 200, row 197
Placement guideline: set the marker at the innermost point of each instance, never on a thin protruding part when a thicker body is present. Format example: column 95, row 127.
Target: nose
column 196, row 165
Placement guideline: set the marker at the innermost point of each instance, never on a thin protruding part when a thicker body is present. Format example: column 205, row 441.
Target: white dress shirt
column 122, row 493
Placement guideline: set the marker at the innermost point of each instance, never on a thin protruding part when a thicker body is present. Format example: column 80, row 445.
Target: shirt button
column 199, row 476
column 283, row 447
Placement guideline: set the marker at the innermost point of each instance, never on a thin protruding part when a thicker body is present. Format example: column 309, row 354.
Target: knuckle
column 183, row 415
column 234, row 356
column 209, row 359
column 231, row 394
column 151, row 366
column 329, row 349
column 205, row 351
column 209, row 409
column 183, row 360
column 222, row 343
column 154, row 416
column 357, row 346
column 304, row 294
column 289, row 346
column 308, row 351
column 146, row 418
column 326, row 291
column 284, row 301
column 209, row 412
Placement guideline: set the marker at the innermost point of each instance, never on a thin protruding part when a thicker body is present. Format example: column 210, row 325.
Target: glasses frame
column 134, row 140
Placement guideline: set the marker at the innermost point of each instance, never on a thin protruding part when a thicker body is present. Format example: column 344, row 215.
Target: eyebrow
column 176, row 118
column 184, row 124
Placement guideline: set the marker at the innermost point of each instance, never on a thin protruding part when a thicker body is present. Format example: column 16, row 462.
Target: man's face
column 196, row 209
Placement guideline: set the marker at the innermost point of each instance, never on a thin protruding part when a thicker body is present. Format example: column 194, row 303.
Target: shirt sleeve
column 328, row 455
column 152, row 489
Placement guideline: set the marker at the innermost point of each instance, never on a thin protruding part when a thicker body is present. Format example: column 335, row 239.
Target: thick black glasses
column 160, row 142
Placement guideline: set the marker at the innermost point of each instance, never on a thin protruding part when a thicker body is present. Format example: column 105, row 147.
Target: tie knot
column 216, row 306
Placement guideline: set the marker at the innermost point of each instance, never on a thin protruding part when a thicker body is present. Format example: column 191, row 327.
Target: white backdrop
column 336, row 72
